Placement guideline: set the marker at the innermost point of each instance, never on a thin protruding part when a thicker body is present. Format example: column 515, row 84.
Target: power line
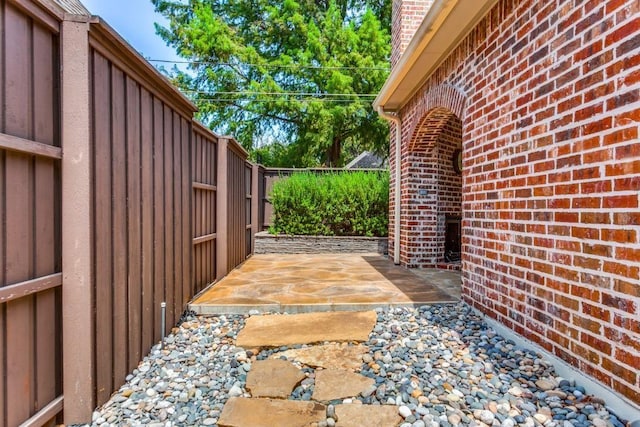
column 277, row 100
column 228, row 64
column 314, row 94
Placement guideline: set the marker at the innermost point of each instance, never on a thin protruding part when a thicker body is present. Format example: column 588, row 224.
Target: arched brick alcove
column 432, row 189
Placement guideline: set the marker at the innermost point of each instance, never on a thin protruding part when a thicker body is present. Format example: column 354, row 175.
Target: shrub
column 332, row 204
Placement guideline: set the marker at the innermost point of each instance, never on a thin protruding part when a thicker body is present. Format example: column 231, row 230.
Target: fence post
column 77, row 288
column 222, row 202
column 255, row 204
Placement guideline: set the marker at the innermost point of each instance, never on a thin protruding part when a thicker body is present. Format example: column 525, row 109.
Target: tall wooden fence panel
column 248, row 221
column 142, row 209
column 204, row 170
column 30, row 255
column 239, row 194
column 165, row 208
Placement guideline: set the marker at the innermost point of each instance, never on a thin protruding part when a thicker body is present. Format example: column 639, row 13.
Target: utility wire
column 314, row 94
column 350, row 101
column 313, row 67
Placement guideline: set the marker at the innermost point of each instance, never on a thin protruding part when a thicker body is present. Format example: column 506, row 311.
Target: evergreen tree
column 299, row 75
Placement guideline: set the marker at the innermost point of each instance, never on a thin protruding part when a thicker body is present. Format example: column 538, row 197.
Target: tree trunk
column 333, row 155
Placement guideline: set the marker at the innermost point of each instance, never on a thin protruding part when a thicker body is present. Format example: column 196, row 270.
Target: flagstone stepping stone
column 337, row 383
column 246, row 412
column 328, row 356
column 307, row 328
column 273, row 378
column 367, row 415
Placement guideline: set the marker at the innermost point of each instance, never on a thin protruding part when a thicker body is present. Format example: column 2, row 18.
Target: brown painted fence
column 113, row 200
column 145, row 206
column 204, row 172
column 30, row 251
column 141, row 197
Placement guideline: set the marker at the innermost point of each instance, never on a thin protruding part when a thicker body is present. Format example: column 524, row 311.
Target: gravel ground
column 441, row 365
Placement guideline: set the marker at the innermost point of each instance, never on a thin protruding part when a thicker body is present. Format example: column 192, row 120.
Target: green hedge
column 332, row 204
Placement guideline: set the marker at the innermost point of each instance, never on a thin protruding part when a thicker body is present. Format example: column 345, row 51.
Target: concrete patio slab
column 309, row 328
column 304, row 283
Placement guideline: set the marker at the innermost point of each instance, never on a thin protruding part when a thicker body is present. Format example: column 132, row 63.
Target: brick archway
column 431, row 187
column 444, row 99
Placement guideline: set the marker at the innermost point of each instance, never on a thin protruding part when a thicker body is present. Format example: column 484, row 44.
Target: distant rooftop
column 367, row 160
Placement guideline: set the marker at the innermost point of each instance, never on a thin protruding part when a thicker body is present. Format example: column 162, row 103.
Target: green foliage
column 252, row 60
column 332, row 204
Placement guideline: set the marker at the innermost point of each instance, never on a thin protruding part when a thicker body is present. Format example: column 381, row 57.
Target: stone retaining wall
column 283, row 244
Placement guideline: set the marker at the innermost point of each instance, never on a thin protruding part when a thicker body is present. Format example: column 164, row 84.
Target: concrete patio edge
column 213, row 309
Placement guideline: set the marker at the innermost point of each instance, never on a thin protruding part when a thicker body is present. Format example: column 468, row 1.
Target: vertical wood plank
column 17, row 74
column 169, row 216
column 255, row 203
column 119, row 188
column 187, row 247
column 44, row 104
column 213, row 209
column 147, row 219
column 221, row 208
column 44, row 131
column 19, row 256
column 3, row 269
column 134, row 288
column 194, row 144
column 3, row 59
column 159, row 212
column 3, row 343
column 103, row 226
column 177, row 215
column 45, row 248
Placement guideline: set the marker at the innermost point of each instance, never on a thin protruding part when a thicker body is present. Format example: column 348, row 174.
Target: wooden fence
column 145, row 206
column 112, row 201
column 30, row 250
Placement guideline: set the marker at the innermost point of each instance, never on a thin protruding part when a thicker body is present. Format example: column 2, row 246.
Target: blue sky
column 134, row 19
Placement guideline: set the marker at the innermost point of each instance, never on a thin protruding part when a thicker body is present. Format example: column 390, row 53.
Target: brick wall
column 406, row 16
column 549, row 97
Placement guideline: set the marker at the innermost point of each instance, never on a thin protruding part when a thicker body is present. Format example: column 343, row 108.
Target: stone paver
column 273, row 378
column 328, row 356
column 308, row 328
column 337, row 383
column 320, row 282
column 367, row 415
column 245, row 412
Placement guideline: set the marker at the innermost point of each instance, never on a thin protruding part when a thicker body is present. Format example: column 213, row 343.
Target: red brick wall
column 549, row 97
column 449, row 181
column 406, row 16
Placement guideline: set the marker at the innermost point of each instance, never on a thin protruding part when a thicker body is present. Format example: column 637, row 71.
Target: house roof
column 366, row 160
column 445, row 25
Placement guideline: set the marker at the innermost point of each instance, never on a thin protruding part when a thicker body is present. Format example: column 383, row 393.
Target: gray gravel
column 441, row 365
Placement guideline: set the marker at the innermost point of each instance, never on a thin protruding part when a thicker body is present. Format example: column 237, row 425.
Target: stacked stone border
column 284, row 244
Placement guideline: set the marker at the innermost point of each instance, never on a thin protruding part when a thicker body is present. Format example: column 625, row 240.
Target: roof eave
column 443, row 28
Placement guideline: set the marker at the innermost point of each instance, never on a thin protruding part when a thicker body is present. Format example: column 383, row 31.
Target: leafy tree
column 299, row 74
